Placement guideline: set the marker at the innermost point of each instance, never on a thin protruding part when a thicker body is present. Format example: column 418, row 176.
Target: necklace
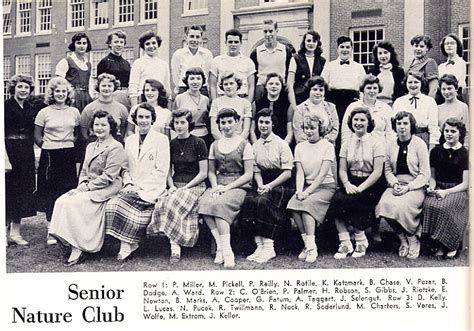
column 181, row 150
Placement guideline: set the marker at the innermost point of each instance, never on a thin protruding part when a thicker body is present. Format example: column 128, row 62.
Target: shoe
column 124, row 255
column 345, row 248
column 18, row 240
column 255, row 255
column 439, row 253
column 50, row 240
column 360, row 250
column 78, row 260
column 403, row 249
column 413, row 247
column 229, row 260
column 311, row 255
column 265, row 256
column 174, row 258
column 302, row 255
column 219, row 259
column 451, row 254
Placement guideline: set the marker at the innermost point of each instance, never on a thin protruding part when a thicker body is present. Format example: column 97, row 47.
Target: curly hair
column 53, row 84
column 111, row 78
column 12, row 83
column 449, row 79
column 419, row 38
column 119, row 33
column 110, row 119
column 315, row 118
column 148, row 35
column 387, row 45
column 403, row 114
column 180, row 113
column 317, row 80
column 316, row 37
column 162, row 94
column 146, row 106
column 459, row 46
column 369, row 80
column 78, row 36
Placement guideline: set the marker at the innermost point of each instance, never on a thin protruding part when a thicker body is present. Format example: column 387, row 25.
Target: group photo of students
column 251, row 149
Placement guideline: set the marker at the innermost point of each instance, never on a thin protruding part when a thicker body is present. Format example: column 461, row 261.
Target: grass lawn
column 153, row 254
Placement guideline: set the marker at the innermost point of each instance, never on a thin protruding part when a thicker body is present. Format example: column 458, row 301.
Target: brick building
column 36, row 32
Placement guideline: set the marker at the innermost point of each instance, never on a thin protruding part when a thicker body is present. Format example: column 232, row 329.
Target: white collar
column 455, row 147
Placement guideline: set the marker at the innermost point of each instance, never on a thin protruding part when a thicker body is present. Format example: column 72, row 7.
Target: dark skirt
column 446, row 220
column 56, row 176
column 20, row 182
column 266, row 215
column 81, row 99
column 357, row 209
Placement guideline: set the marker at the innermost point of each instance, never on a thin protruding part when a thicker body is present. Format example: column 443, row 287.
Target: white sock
column 175, row 248
column 258, row 240
column 225, row 242
column 215, row 234
column 303, row 236
column 310, row 241
column 267, row 244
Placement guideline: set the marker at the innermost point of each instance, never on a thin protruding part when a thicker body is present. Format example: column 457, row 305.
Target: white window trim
column 360, row 29
column 38, row 21
column 6, row 79
column 17, row 64
column 194, row 12
column 460, row 28
column 8, row 34
column 37, row 85
column 143, row 21
column 118, row 24
column 18, row 21
column 93, row 26
column 69, row 27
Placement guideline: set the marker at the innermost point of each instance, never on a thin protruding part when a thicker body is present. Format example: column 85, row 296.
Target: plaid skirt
column 176, row 215
column 127, row 217
column 445, row 220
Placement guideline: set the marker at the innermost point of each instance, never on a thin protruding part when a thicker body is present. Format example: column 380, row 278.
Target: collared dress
column 406, row 163
column 20, row 182
column 359, row 153
column 311, row 156
column 176, row 214
column 427, row 67
column 78, row 220
column 127, row 215
column 266, row 215
column 229, row 167
column 446, row 220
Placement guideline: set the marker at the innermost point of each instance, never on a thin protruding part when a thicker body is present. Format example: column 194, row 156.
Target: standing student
column 191, row 55
column 114, row 64
column 233, row 60
column 271, row 56
column 452, row 48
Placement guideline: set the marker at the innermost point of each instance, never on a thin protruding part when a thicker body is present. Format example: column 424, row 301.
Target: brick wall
column 246, row 3
column 459, row 14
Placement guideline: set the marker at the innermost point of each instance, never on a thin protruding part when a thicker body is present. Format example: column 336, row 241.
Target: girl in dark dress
column 20, row 181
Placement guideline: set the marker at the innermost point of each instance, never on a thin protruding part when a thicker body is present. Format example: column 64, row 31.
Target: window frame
column 7, row 4
column 22, row 61
column 69, row 18
column 92, row 16
column 39, row 8
column 7, row 74
column 467, row 50
column 366, row 29
column 19, row 19
column 142, row 13
column 194, row 12
column 117, row 22
column 38, row 79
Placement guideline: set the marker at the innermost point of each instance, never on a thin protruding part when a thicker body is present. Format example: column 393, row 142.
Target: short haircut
column 417, row 75
column 233, row 32
column 162, row 94
column 317, row 37
column 195, row 28
column 361, row 110
column 266, row 112
column 457, row 123
column 194, row 71
column 421, row 37
column 273, row 75
column 148, row 35
column 78, row 36
column 459, row 46
column 180, row 113
column 317, row 80
column 315, row 118
column 13, row 82
column 271, row 22
column 449, row 80
column 53, row 84
column 110, row 119
column 403, row 114
column 389, row 47
column 227, row 75
column 343, row 39
column 110, row 77
column 227, row 112
column 370, row 79
column 146, row 106
column 119, row 33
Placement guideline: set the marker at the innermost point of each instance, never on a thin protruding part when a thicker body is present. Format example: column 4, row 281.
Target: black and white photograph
column 312, row 154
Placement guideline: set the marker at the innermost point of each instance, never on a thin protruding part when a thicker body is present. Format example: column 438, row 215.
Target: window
column 100, row 13
column 195, row 7
column 76, row 14
column 22, row 63
column 364, row 40
column 23, row 17
column 124, row 12
column 149, row 10
column 42, row 72
column 7, row 72
column 43, row 16
column 7, row 16
column 464, row 35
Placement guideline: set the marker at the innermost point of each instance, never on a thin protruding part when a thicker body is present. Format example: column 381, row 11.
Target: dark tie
column 344, row 62
column 451, row 62
column 413, row 100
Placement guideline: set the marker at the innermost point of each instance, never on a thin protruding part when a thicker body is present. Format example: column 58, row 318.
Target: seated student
column 445, row 213
column 264, row 208
column 78, row 215
column 315, row 183
column 360, row 170
column 144, row 176
column 230, row 83
column 230, row 173
column 175, row 213
column 407, row 171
